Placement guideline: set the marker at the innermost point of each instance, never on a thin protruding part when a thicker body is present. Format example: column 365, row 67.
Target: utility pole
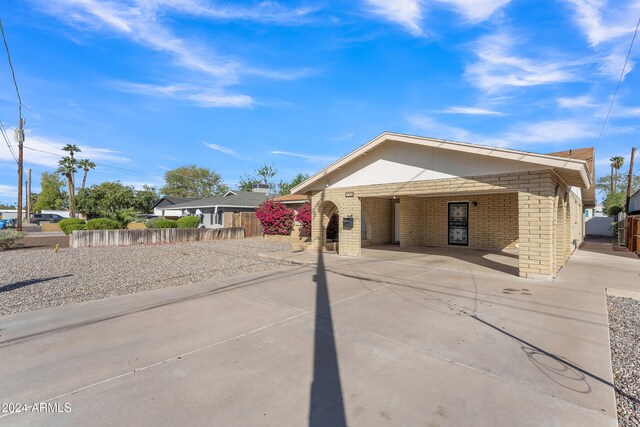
column 20, row 140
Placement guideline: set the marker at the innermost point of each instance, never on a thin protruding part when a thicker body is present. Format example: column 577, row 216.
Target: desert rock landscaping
column 39, row 278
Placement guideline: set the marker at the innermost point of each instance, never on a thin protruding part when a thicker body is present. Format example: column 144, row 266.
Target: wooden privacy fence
column 248, row 221
column 94, row 238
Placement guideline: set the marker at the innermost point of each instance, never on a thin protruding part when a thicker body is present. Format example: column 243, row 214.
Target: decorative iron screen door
column 459, row 223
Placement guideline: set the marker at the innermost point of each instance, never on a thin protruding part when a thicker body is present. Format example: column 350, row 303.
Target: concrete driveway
column 392, row 338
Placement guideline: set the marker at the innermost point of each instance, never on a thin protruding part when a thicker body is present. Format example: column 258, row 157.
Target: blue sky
column 147, row 85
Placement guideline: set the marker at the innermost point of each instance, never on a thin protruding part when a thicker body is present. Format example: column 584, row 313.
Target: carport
column 415, row 191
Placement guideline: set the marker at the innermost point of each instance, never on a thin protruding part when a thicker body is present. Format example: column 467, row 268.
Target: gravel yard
column 624, row 329
column 32, row 279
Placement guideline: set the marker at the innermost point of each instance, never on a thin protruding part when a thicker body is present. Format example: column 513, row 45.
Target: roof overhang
column 573, row 171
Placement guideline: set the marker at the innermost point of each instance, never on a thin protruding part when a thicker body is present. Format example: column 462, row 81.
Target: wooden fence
column 248, row 221
column 94, row 238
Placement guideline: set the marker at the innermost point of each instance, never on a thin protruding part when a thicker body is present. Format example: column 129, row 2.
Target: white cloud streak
column 605, row 20
column 308, row 157
column 406, row 13
column 194, row 94
column 498, row 67
column 142, row 22
column 221, row 149
column 472, row 111
column 46, row 151
column 476, row 10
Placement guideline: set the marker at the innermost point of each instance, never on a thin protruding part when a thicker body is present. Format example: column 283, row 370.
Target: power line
column 13, row 74
column 106, row 165
column 6, row 139
column 615, row 93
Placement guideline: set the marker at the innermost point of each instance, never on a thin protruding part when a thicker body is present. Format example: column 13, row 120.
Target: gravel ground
column 624, row 329
column 32, row 279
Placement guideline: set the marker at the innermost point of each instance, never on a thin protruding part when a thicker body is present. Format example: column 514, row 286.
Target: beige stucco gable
column 395, row 162
column 393, row 158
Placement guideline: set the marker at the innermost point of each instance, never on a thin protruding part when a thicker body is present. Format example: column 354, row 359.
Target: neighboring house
column 596, row 212
column 217, row 211
column 164, row 206
column 424, row 191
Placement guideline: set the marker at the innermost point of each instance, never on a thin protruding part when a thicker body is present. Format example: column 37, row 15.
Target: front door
column 459, row 223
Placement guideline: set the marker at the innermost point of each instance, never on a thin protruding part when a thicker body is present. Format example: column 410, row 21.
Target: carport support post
column 535, row 235
column 350, row 240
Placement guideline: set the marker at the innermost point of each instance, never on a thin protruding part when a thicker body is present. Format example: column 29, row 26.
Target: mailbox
column 347, row 222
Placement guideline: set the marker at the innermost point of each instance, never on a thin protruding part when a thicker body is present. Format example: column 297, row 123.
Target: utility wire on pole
column 19, row 132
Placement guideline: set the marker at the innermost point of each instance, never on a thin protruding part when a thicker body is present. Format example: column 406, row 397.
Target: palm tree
column 86, row 165
column 616, row 164
column 67, row 167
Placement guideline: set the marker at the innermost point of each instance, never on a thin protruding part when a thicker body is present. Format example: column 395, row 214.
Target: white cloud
column 143, row 22
column 309, row 157
column 584, row 101
column 46, row 151
column 407, row 13
column 498, row 67
column 473, row 111
column 548, row 132
column 190, row 93
column 220, row 148
column 605, row 20
column 553, row 131
column 410, row 13
column 440, row 130
column 611, row 65
column 476, row 10
column 8, row 191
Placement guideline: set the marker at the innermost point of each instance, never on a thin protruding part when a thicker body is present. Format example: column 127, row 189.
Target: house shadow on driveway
column 466, row 259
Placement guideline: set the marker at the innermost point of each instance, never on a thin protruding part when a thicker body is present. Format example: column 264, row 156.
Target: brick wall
column 379, row 214
column 412, row 221
column 493, row 222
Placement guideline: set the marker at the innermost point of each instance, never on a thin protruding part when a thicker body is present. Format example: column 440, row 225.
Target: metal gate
column 458, row 223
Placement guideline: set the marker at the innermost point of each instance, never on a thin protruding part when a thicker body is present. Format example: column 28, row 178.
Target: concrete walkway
column 386, row 339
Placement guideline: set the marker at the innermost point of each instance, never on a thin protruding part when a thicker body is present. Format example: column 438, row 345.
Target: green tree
column 67, row 168
column 262, row 175
column 52, row 195
column 285, row 187
column 105, row 199
column 7, row 206
column 146, row 198
column 193, row 181
column 614, row 203
column 86, row 165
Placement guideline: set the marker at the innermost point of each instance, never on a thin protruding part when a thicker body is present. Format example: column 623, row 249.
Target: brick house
column 417, row 191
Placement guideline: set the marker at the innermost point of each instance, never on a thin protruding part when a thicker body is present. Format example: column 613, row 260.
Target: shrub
column 188, row 222
column 166, row 223
column 275, row 218
column 153, row 222
column 68, row 225
column 102, row 224
column 304, row 218
column 9, row 238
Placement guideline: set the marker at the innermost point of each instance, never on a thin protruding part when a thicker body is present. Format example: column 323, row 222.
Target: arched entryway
column 330, row 223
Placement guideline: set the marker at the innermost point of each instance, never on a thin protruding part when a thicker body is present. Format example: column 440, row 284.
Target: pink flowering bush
column 304, row 218
column 275, row 218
